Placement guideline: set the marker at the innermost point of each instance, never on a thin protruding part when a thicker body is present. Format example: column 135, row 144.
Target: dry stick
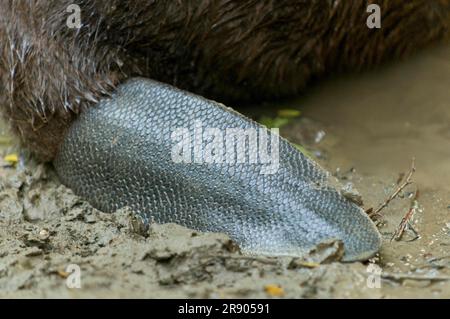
column 397, row 191
column 405, row 220
column 247, row 258
column 439, row 258
column 400, row 277
column 411, row 228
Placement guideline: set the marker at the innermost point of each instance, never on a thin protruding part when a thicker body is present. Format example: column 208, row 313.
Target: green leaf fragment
column 289, row 113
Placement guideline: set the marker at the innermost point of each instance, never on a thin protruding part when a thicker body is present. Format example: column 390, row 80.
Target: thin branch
column 439, row 258
column 405, row 220
column 397, row 191
column 400, row 277
column 416, row 234
column 261, row 260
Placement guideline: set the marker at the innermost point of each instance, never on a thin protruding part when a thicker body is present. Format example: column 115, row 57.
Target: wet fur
column 223, row 49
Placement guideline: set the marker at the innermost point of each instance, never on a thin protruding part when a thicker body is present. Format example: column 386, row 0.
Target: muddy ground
column 363, row 128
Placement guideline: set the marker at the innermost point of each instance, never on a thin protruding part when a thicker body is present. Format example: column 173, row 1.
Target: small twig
column 416, row 234
column 439, row 258
column 400, row 277
column 399, row 188
column 405, row 220
column 261, row 260
column 397, row 191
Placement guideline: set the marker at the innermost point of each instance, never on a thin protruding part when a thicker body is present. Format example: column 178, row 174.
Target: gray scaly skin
column 119, row 153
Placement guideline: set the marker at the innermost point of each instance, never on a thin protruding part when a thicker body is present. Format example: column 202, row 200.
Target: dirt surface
column 364, row 128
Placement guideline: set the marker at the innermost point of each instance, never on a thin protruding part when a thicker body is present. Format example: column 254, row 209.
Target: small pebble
column 44, row 234
column 274, row 290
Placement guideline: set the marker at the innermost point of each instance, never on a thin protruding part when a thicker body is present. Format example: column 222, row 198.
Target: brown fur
column 227, row 50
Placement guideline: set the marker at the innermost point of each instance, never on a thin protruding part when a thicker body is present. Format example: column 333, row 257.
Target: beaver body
column 116, row 152
column 224, row 50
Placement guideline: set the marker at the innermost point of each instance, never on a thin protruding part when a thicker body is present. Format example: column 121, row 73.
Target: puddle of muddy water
column 375, row 123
